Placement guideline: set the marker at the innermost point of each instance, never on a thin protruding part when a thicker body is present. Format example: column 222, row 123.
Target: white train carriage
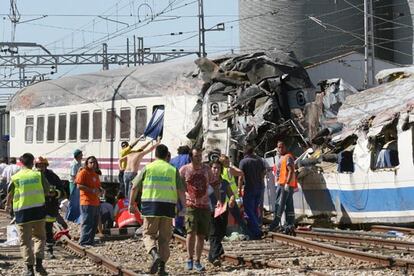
column 95, row 112
column 380, row 189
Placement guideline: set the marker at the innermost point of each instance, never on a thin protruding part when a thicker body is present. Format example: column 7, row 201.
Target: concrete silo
column 285, row 25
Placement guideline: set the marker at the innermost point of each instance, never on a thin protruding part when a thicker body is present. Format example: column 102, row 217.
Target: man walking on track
column 159, row 186
column 28, row 189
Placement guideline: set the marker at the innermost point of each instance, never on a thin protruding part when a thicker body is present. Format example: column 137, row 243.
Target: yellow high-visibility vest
column 28, row 190
column 229, row 178
column 159, row 188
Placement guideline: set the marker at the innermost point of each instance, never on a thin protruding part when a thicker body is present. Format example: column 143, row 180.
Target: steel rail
column 236, row 260
column 239, row 260
column 384, row 229
column 369, row 257
column 109, row 265
column 356, row 239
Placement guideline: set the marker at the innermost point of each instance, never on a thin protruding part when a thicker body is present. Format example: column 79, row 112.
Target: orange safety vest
column 284, row 172
column 124, row 218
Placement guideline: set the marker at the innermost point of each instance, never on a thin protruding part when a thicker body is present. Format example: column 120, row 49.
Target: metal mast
column 369, row 63
column 201, row 30
column 14, row 17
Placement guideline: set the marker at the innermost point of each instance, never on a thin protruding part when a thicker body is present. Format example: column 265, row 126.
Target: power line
column 378, row 17
column 125, row 30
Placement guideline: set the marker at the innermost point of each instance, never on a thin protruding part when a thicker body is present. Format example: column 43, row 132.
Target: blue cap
column 77, row 152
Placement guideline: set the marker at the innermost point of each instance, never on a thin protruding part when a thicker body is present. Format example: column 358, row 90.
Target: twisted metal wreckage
column 263, row 97
column 348, row 143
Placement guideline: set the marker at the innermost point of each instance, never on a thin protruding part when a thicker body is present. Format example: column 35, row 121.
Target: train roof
column 383, row 102
column 169, row 78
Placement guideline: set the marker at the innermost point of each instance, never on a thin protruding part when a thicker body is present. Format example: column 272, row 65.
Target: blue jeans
column 284, row 203
column 90, row 217
column 128, row 177
column 252, row 201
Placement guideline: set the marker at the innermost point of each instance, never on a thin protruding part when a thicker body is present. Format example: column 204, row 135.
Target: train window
column 140, row 120
column 51, row 128
column 40, row 129
column 12, row 126
column 73, row 126
column 84, row 130
column 28, row 131
column 125, row 123
column 384, row 147
column 97, row 125
column 62, row 128
column 110, row 124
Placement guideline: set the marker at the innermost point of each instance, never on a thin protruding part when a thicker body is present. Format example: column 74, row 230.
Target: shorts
column 198, row 221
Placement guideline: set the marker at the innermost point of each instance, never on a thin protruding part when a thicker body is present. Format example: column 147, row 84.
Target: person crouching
column 123, row 218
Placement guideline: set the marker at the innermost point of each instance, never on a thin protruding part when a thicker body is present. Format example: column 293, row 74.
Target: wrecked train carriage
column 366, row 176
column 249, row 99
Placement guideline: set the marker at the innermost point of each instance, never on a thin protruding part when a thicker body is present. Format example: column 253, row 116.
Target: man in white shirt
column 10, row 170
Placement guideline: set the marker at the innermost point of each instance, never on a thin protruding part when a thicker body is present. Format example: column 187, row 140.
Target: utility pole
column 14, row 17
column 369, row 59
column 201, row 30
column 105, row 64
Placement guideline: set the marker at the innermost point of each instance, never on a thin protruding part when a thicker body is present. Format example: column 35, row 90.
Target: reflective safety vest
column 159, row 190
column 124, row 217
column 229, row 178
column 28, row 194
column 283, row 174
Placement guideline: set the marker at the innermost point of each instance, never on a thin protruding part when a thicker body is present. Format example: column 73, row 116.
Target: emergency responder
column 160, row 187
column 123, row 217
column 286, row 184
column 229, row 172
column 52, row 201
column 28, row 189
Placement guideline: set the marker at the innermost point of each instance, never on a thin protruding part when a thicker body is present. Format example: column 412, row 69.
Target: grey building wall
column 285, row 25
column 348, row 67
column 289, row 27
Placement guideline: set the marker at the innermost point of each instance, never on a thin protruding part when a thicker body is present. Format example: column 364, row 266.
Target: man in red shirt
column 197, row 177
column 89, row 185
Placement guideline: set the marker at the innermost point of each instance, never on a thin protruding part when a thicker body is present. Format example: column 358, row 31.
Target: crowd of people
column 182, row 194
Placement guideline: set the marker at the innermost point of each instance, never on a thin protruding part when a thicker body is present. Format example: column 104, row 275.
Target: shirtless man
column 133, row 161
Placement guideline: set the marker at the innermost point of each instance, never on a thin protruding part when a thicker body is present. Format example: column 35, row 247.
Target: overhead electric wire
column 378, row 17
column 124, row 30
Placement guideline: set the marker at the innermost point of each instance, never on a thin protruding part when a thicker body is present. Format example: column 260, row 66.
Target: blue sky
column 74, row 26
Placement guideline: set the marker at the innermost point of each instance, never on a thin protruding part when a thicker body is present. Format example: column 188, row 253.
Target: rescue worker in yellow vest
column 229, row 172
column 287, row 183
column 159, row 186
column 28, row 189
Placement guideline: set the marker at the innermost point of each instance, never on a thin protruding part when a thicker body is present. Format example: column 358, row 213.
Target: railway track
column 276, row 255
column 71, row 258
column 385, row 229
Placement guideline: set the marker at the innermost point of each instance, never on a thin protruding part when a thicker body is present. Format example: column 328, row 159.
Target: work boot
column 28, row 271
column 161, row 270
column 39, row 267
column 156, row 259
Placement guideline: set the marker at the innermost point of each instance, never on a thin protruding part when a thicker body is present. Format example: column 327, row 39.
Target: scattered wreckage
column 355, row 149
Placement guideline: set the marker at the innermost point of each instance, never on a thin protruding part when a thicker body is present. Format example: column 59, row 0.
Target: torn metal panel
column 382, row 102
column 253, row 95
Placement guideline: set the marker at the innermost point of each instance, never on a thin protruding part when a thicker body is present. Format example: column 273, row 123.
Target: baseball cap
column 77, row 152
